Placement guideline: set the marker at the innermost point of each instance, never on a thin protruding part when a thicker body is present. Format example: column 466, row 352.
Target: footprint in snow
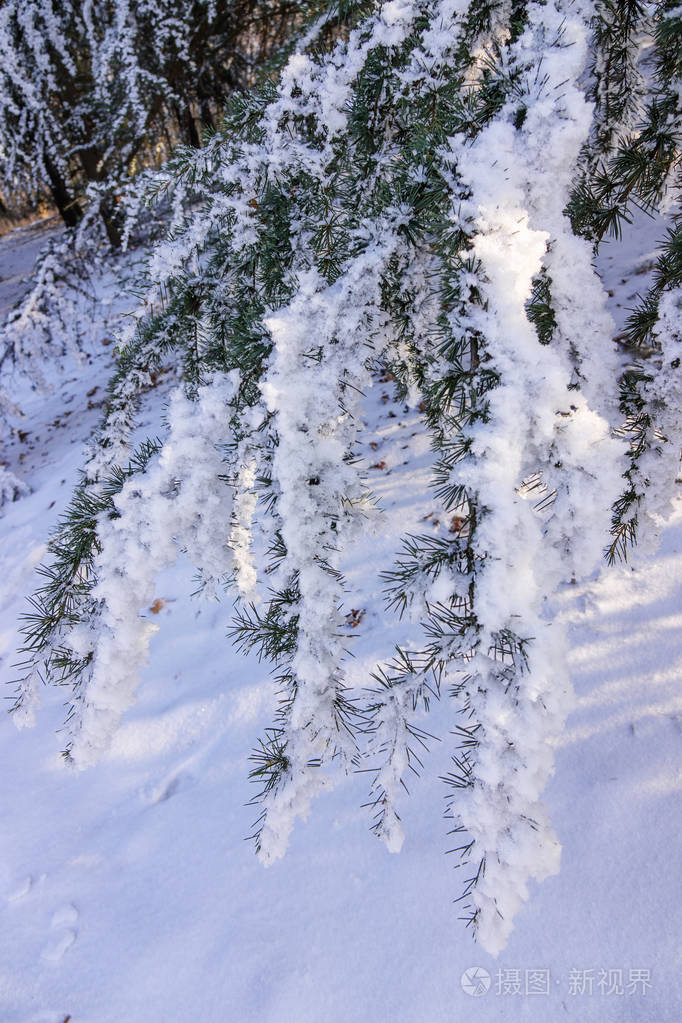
column 170, row 786
column 57, row 946
column 21, row 891
column 66, row 916
column 63, row 921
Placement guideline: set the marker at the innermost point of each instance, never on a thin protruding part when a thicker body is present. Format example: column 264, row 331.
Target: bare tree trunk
column 69, row 210
column 188, row 126
column 90, row 162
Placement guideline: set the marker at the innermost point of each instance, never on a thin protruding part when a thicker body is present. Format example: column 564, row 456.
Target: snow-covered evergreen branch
column 400, row 195
column 490, row 637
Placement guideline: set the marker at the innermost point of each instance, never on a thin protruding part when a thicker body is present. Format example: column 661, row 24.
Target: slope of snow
column 18, row 252
column 128, row 892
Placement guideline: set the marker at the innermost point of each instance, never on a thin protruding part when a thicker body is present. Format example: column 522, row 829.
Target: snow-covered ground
column 18, row 252
column 129, row 894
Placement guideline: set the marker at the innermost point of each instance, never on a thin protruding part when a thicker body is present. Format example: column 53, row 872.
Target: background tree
column 90, row 92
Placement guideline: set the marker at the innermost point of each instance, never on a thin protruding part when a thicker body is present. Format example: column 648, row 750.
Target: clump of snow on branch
column 657, row 470
column 323, row 506
column 547, row 420
column 535, row 423
column 157, row 514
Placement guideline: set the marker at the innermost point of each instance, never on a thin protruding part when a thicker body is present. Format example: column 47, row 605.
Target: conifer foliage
column 422, row 188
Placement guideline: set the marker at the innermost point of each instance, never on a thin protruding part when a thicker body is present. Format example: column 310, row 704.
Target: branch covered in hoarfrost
column 491, row 639
column 398, row 196
column 145, row 521
column 156, row 514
